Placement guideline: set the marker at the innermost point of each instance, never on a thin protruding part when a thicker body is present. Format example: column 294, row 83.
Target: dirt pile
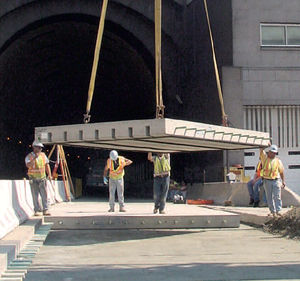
column 288, row 225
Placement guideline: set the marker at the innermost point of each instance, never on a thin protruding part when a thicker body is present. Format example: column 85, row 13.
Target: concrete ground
column 244, row 253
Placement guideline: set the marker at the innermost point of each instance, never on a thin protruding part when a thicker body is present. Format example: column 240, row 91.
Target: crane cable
column 87, row 116
column 224, row 115
column 160, row 108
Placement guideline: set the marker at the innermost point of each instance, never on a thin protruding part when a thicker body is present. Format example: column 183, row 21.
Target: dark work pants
column 160, row 191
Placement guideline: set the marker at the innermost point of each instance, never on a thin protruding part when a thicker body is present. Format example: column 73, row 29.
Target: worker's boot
column 251, row 201
column 162, row 212
column 122, row 210
column 111, row 210
column 256, row 204
column 46, row 213
column 155, row 211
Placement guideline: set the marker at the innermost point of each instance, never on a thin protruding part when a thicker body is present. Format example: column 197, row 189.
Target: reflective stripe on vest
column 270, row 169
column 258, row 169
column 119, row 172
column 161, row 166
column 38, row 170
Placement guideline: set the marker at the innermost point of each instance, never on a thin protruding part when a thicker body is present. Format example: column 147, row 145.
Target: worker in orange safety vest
column 116, row 164
column 37, row 164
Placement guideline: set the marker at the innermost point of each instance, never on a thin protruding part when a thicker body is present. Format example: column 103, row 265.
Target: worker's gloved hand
column 105, row 180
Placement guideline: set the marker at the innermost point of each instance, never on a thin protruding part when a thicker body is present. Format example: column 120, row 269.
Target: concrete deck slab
column 94, row 215
column 166, row 135
column 243, row 253
column 248, row 215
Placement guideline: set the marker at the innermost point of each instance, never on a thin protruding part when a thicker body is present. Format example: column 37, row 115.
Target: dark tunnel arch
column 135, row 17
column 135, row 32
column 116, row 43
column 181, row 42
column 51, row 60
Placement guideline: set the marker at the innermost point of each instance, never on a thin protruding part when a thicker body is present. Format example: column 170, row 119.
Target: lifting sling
column 160, row 108
column 87, row 116
column 224, row 116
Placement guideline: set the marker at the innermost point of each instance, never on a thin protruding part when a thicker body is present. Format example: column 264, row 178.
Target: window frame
column 285, row 25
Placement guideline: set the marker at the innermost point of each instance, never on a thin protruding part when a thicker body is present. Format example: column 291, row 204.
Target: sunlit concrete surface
column 150, row 255
column 84, row 214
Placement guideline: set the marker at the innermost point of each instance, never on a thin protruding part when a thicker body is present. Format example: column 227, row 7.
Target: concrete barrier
column 237, row 193
column 8, row 217
column 17, row 205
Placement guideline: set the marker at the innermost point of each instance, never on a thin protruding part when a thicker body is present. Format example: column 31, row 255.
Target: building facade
column 262, row 87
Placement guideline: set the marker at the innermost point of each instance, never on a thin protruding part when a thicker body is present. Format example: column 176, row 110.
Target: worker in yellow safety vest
column 115, row 164
column 272, row 173
column 37, row 164
column 161, row 180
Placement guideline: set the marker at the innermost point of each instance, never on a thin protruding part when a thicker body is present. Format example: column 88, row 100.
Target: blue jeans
column 254, row 190
column 273, row 192
column 160, row 191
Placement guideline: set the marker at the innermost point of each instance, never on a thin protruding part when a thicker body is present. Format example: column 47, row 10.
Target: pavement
column 244, row 253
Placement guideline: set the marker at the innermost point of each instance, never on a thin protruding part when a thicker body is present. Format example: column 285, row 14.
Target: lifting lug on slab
column 225, row 121
column 160, row 111
column 86, row 118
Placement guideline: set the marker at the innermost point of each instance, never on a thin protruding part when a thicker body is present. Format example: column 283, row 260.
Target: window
column 249, row 168
column 249, row 154
column 280, row 35
column 293, row 35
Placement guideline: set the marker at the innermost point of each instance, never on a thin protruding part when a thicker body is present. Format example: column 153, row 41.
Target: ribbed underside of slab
column 156, row 135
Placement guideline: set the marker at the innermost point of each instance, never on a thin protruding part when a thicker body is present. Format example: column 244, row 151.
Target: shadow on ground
column 183, row 272
column 88, row 237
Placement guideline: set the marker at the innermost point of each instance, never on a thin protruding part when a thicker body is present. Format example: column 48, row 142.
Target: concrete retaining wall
column 16, row 202
column 237, row 193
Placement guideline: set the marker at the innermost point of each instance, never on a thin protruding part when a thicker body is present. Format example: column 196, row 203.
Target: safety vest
column 161, row 167
column 119, row 172
column 270, row 168
column 38, row 169
column 258, row 169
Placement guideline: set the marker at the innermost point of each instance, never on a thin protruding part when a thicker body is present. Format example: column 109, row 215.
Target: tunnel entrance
column 45, row 72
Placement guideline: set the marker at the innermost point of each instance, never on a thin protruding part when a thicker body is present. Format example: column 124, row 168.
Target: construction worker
column 272, row 171
column 37, row 164
column 254, row 186
column 161, row 180
column 116, row 164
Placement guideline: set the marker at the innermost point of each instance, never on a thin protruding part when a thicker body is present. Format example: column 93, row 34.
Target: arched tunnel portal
column 46, row 53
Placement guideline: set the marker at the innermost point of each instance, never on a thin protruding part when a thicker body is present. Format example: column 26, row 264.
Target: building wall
column 263, row 79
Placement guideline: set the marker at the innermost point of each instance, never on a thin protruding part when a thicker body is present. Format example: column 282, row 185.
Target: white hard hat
column 273, row 148
column 113, row 155
column 37, row 144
